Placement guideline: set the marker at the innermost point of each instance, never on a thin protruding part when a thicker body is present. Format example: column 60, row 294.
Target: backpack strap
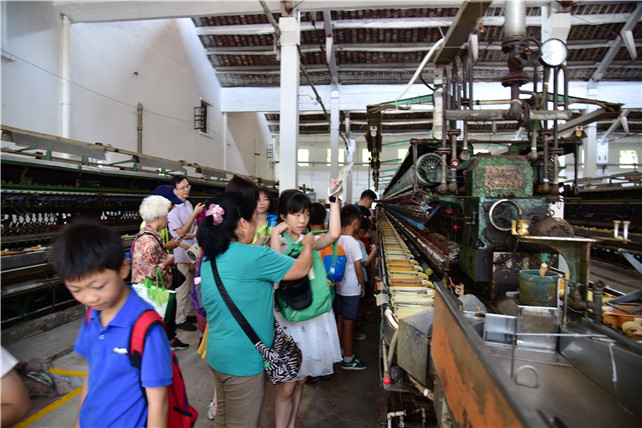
column 160, row 241
column 143, row 324
column 294, row 248
column 335, row 248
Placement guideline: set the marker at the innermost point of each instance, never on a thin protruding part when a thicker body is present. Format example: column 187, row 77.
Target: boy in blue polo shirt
column 89, row 259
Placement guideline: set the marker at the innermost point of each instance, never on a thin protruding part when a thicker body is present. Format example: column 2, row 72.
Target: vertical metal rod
column 555, row 104
column 563, row 66
column 546, row 186
column 544, row 106
column 139, row 145
column 452, row 186
column 566, row 291
column 514, row 350
column 465, row 155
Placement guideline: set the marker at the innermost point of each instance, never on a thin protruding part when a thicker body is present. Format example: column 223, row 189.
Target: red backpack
column 181, row 414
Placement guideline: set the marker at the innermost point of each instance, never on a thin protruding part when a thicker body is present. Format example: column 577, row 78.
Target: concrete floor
column 350, row 399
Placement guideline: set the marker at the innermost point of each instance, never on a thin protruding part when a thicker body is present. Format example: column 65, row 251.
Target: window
column 303, row 157
column 200, row 117
column 401, row 153
column 329, row 156
column 365, row 155
column 628, row 158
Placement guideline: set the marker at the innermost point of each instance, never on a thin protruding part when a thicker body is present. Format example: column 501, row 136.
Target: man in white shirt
column 182, row 222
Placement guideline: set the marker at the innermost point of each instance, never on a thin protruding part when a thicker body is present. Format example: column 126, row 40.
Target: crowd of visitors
column 242, row 247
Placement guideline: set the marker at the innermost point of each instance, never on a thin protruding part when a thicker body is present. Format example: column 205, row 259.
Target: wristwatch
column 333, row 199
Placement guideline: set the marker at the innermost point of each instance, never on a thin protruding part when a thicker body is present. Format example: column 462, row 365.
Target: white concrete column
column 226, row 134
column 555, row 25
column 334, row 134
column 438, row 99
column 65, row 86
column 347, row 185
column 590, row 142
column 289, row 119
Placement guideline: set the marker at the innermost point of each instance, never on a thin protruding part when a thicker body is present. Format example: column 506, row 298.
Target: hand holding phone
column 337, row 185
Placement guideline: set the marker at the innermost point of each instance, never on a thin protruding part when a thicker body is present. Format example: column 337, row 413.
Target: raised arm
column 275, row 241
column 185, row 228
column 334, row 228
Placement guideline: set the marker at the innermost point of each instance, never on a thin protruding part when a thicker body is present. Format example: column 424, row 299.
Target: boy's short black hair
column 318, row 214
column 369, row 194
column 349, row 213
column 81, row 249
column 365, row 223
column 365, row 212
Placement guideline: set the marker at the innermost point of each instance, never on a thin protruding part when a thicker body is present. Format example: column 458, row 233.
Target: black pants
column 171, row 324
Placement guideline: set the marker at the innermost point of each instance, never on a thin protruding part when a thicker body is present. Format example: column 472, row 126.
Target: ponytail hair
column 213, row 236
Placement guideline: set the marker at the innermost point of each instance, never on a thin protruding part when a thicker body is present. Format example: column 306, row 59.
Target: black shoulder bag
column 281, row 362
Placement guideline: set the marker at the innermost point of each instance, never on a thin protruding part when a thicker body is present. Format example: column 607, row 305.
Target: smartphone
column 342, row 176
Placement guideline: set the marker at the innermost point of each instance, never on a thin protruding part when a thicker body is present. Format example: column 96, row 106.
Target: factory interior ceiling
column 381, row 42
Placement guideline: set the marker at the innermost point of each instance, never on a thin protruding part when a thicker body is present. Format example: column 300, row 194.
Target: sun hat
column 167, row 192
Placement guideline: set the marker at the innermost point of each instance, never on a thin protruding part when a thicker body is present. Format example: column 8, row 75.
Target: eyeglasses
column 184, row 187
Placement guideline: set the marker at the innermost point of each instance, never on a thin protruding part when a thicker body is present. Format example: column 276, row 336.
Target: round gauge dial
column 553, row 53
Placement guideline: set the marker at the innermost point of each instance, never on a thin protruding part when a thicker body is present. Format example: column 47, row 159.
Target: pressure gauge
column 553, row 53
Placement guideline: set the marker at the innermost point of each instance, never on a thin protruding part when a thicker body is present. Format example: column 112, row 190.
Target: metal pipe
column 514, row 114
column 452, row 186
column 566, row 290
column 555, row 104
column 65, row 81
column 598, row 292
column 532, row 156
column 625, row 229
column 421, row 65
column 391, row 348
column 546, row 186
column 515, row 19
column 399, row 414
column 391, row 318
column 465, row 154
column 139, row 128
column 616, row 227
column 544, row 104
column 384, row 352
column 563, row 67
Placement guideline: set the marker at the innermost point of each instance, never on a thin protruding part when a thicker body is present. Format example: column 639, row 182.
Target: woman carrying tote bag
column 248, row 273
column 149, row 255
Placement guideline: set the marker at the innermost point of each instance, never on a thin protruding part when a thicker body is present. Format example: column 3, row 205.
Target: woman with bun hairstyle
column 248, row 273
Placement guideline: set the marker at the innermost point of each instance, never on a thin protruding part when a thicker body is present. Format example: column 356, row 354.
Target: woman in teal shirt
column 248, row 273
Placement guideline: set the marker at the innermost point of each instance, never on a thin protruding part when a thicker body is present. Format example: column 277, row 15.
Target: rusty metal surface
column 503, row 177
column 469, row 376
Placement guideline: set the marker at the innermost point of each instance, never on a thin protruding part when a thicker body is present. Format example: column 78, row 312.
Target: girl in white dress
column 317, row 338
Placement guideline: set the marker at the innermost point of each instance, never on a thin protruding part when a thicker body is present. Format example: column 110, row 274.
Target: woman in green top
column 265, row 221
column 248, row 273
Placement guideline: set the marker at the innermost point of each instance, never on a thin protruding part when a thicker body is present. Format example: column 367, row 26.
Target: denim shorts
column 347, row 306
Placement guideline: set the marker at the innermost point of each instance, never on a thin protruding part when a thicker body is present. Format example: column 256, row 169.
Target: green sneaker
column 354, row 364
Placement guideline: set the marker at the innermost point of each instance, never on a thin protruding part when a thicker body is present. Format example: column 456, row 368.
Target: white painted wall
column 248, row 139
column 30, row 52
column 115, row 66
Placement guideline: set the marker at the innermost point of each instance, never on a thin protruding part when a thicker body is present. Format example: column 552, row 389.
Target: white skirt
column 319, row 343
